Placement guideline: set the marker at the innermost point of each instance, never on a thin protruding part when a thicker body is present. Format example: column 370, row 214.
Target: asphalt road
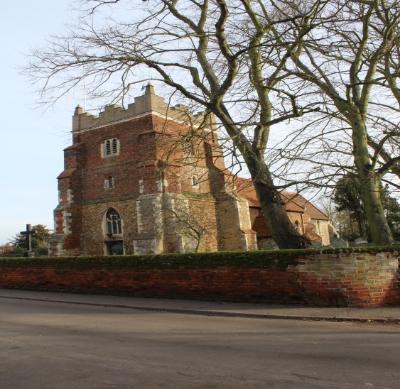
column 55, row 345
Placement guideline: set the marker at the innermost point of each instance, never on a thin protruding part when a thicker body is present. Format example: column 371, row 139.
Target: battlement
column 147, row 103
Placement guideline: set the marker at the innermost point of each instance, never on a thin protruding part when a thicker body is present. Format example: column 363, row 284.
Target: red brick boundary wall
column 363, row 279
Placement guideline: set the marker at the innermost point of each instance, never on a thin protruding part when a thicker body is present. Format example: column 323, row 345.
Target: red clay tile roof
column 293, row 201
column 315, row 213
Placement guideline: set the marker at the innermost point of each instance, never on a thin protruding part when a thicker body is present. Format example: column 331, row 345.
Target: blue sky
column 33, row 137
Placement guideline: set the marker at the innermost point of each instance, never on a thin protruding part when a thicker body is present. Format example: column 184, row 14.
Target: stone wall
column 349, row 279
column 360, row 279
column 93, row 227
column 234, row 224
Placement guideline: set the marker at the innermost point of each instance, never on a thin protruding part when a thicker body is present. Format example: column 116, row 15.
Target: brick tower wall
column 162, row 189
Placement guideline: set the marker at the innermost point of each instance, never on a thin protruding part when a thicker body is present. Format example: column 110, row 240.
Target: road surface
column 56, row 345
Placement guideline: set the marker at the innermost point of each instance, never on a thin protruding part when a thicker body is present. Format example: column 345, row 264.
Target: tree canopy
column 40, row 239
column 348, row 202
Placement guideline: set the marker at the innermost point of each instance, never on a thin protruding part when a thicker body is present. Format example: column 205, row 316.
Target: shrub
column 263, row 259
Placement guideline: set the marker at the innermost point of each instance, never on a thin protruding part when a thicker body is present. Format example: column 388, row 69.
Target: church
column 151, row 179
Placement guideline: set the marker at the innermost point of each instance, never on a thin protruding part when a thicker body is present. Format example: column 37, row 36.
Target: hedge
column 263, row 258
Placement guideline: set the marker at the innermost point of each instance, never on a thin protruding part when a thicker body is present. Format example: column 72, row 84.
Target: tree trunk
column 371, row 196
column 362, row 226
column 282, row 229
column 370, row 185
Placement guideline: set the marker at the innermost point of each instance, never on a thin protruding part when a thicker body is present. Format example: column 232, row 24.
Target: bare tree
column 211, row 53
column 190, row 228
column 344, row 60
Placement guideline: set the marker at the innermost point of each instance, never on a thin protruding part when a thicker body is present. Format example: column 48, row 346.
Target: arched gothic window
column 113, row 222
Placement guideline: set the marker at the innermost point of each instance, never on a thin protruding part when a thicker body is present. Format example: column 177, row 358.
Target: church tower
column 146, row 179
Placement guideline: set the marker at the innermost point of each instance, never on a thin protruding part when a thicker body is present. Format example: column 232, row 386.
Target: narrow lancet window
column 113, row 222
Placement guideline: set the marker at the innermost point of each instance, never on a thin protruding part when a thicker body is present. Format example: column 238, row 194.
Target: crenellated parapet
column 145, row 104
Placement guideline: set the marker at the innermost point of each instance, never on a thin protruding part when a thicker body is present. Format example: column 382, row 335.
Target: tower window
column 114, row 146
column 110, row 147
column 109, row 183
column 113, row 222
